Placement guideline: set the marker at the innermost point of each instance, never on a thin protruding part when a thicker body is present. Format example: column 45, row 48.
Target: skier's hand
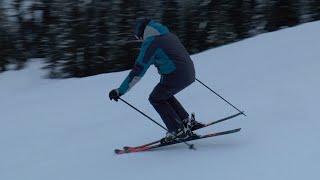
column 114, row 94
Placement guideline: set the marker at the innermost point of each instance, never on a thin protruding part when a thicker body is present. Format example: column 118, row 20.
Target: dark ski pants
column 170, row 110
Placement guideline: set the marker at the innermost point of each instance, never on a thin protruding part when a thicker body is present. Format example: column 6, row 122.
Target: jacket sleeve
column 143, row 62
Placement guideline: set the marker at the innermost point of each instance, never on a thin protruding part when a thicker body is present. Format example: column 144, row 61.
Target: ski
column 220, row 120
column 149, row 147
column 206, row 125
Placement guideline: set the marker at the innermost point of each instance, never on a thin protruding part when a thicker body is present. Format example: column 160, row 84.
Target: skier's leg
column 175, row 104
column 190, row 123
column 159, row 100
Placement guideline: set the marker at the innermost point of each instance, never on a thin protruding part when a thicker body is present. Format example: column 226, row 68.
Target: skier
column 165, row 51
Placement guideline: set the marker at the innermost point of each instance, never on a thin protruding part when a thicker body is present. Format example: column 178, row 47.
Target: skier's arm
column 143, row 62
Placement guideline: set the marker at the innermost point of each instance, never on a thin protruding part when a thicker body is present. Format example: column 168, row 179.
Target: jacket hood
column 154, row 29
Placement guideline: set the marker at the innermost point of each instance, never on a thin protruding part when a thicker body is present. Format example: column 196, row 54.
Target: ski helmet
column 140, row 26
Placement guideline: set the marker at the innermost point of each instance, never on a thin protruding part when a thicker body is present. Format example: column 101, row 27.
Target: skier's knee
column 152, row 99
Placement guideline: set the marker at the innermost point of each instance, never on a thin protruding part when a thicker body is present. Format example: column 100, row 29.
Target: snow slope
column 68, row 129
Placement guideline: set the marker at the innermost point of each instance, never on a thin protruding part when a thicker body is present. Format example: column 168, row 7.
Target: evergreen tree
column 284, row 13
column 258, row 19
column 170, row 16
column 101, row 47
column 91, row 45
column 239, row 16
column 19, row 41
column 80, row 38
column 50, row 37
column 127, row 21
column 69, row 35
column 202, row 19
column 220, row 28
column 59, row 41
column 315, row 9
column 5, row 44
column 117, row 37
column 191, row 28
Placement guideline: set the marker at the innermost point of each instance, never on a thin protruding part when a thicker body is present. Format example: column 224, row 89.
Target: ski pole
column 191, row 146
column 242, row 112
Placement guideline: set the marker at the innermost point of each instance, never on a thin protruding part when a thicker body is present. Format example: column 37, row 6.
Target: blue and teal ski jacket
column 164, row 50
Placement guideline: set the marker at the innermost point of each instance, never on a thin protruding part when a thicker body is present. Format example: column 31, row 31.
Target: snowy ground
column 68, row 129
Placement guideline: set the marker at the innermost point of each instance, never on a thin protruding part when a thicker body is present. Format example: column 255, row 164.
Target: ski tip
column 117, row 151
column 237, row 130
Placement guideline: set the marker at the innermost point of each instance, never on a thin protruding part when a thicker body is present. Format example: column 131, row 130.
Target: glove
column 114, row 94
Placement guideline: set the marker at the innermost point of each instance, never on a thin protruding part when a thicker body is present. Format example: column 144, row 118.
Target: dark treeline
column 79, row 38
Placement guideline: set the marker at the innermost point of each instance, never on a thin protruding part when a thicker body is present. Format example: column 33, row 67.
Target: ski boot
column 181, row 134
column 192, row 124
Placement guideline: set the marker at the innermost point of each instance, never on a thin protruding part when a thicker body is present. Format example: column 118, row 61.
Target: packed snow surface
column 68, row 129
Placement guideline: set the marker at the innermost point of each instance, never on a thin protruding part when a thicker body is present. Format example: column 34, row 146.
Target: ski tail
column 221, row 133
column 223, row 119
